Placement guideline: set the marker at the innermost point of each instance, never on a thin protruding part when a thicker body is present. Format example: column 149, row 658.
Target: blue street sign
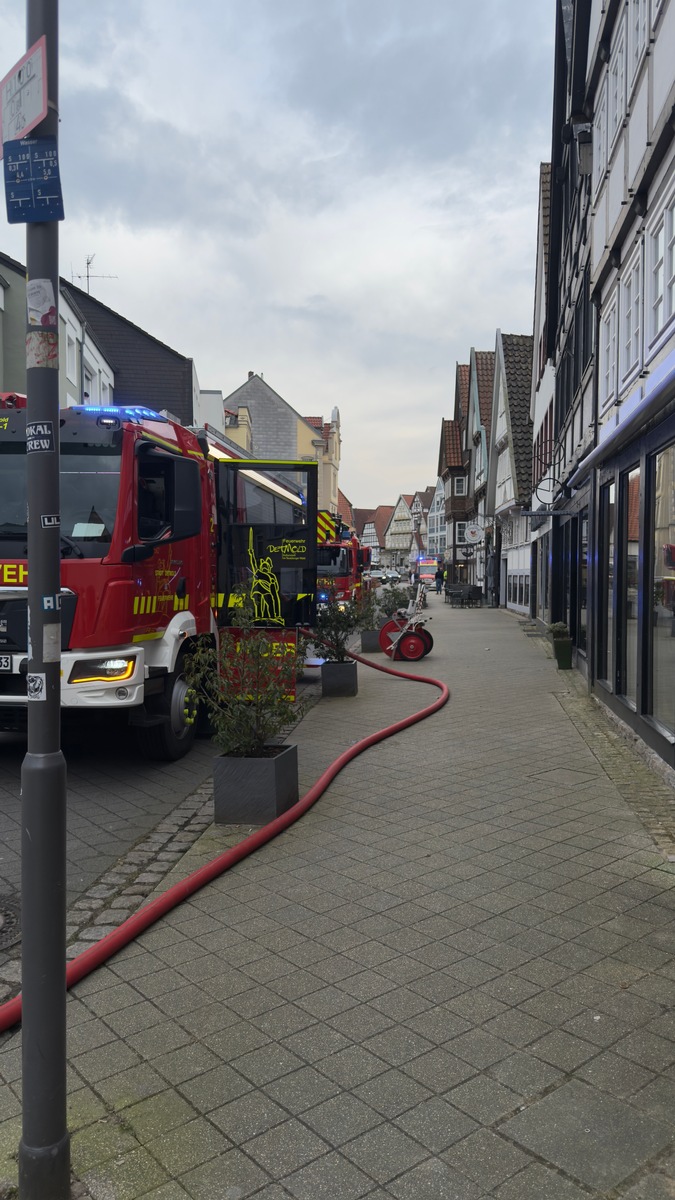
column 32, row 181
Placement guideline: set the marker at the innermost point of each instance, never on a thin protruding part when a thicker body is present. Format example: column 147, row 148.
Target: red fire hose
column 101, row 951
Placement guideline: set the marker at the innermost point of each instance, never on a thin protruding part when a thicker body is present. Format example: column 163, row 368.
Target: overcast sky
column 338, row 194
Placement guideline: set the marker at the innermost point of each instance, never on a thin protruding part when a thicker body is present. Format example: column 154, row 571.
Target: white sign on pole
column 23, row 94
column 473, row 532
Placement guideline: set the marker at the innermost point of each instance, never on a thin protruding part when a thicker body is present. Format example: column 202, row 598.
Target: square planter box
column 370, row 641
column 254, row 790
column 562, row 649
column 339, row 679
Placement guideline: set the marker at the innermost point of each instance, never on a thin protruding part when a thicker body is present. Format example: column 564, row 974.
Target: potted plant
column 335, row 624
column 392, row 599
column 562, row 645
column 246, row 687
column 370, row 613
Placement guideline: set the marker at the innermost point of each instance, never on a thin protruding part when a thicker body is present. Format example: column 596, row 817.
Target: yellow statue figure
column 264, row 588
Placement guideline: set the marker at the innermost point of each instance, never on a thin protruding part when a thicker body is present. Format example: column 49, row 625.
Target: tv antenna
column 89, row 275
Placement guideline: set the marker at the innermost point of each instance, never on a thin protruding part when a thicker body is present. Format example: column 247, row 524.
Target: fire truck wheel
column 172, row 737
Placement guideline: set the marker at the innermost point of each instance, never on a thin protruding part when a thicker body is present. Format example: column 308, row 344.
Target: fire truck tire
column 173, row 736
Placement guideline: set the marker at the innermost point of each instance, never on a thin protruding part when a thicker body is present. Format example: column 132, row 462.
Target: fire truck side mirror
column 187, row 493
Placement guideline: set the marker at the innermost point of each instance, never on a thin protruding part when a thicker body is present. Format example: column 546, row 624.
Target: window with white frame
column 71, row 368
column 638, row 28
column 461, row 531
column 661, row 258
column 617, row 86
column 600, row 137
column 631, row 322
column 460, row 485
column 608, row 353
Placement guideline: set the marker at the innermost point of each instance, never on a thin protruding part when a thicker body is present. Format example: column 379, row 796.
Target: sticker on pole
column 23, row 93
column 40, row 437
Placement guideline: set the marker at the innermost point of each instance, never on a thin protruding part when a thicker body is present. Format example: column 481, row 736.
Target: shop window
column 630, row 546
column 582, row 610
column 661, row 607
column 606, row 598
column 521, row 590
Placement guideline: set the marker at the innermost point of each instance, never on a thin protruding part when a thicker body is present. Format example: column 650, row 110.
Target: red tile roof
column 461, row 391
column 485, row 375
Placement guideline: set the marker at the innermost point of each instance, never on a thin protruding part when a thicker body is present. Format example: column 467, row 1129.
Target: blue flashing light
column 130, row 412
column 322, row 597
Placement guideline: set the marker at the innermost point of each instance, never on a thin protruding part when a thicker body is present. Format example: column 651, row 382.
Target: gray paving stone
column 341, row 1118
column 486, row 1158
column 434, row 1180
column 231, row 1176
column 383, row 1152
column 537, row 1182
column 484, row 1099
column 250, row 1114
column 593, row 1137
column 286, row 1148
column 436, row 1124
column 329, row 1177
column 301, row 1089
column 188, row 1146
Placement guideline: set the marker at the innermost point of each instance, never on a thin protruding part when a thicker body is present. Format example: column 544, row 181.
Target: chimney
column 251, row 374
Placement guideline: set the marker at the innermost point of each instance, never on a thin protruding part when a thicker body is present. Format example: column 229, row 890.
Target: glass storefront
column 661, row 609
column 606, row 581
column 582, row 611
column 627, row 650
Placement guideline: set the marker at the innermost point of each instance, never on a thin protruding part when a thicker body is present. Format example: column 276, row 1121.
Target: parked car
column 392, row 577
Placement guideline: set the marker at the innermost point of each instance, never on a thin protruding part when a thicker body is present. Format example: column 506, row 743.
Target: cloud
column 342, row 195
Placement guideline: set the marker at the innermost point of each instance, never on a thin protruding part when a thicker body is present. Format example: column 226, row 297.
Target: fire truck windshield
column 332, row 560
column 90, row 480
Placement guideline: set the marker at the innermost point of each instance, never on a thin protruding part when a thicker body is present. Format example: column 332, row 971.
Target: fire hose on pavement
column 86, row 962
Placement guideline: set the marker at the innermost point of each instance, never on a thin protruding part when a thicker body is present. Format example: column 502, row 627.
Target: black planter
column 562, row 648
column 339, row 679
column 253, row 791
column 370, row 641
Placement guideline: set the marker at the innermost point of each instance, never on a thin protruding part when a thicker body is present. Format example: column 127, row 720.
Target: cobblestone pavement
column 451, row 980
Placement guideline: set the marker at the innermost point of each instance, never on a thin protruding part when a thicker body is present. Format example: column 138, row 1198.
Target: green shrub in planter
column 562, row 645
column 246, row 687
column 335, row 625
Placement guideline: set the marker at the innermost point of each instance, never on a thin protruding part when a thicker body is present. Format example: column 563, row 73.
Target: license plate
column 5, row 662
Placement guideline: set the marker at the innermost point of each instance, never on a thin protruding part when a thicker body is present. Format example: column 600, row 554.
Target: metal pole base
column 44, row 1173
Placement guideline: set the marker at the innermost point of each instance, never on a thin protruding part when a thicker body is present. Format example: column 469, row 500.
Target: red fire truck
column 158, row 524
column 341, row 561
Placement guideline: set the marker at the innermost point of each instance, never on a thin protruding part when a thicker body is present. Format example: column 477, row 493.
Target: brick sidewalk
column 452, row 979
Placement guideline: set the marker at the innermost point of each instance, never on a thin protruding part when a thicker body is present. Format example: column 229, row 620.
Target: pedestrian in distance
column 439, row 580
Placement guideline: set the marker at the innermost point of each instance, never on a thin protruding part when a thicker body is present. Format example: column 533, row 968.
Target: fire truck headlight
column 102, row 670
